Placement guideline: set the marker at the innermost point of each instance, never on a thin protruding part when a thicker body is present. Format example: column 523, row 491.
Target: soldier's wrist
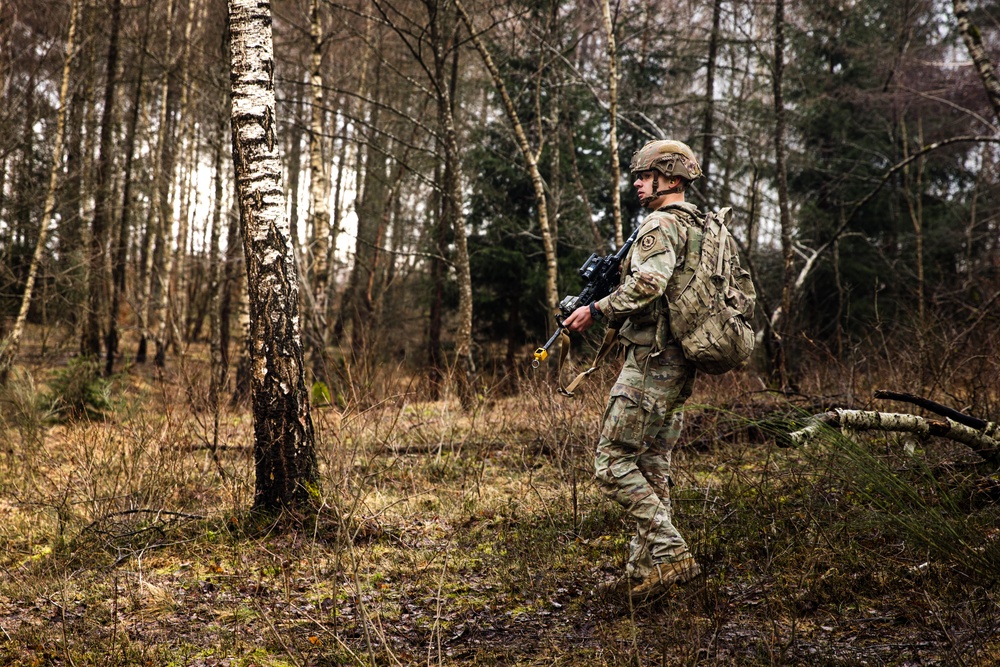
column 595, row 312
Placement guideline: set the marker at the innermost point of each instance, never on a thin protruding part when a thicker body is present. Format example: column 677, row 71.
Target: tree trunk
column 166, row 256
column 439, row 268
column 338, row 199
column 616, row 170
column 445, row 82
column 284, row 443
column 155, row 227
column 125, row 223
column 218, row 365
column 986, row 440
column 530, row 158
column 294, row 159
column 319, row 174
column 11, row 344
column 70, row 237
column 974, row 43
column 90, row 343
column 787, row 250
column 599, row 245
column 358, row 305
column 176, row 306
column 708, row 127
column 319, row 200
column 234, row 292
column 915, row 208
column 353, row 308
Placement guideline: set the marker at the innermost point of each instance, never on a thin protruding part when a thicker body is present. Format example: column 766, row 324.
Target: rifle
column 600, row 276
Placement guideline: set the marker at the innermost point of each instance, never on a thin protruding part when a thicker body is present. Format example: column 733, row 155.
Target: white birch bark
column 974, row 43
column 530, row 158
column 178, row 291
column 319, row 174
column 284, row 450
column 12, row 343
column 157, row 224
column 867, row 420
column 616, row 172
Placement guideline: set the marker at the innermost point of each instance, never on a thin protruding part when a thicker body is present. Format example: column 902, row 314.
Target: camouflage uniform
column 643, row 420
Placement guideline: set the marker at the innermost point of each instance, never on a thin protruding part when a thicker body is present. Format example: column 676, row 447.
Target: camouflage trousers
column 641, row 426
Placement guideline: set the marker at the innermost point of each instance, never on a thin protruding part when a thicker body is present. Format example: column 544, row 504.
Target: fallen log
column 985, row 441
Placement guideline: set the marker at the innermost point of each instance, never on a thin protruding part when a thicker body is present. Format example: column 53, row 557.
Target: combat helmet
column 667, row 157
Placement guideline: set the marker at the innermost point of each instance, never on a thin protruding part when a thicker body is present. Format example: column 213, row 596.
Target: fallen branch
column 937, row 408
column 985, row 441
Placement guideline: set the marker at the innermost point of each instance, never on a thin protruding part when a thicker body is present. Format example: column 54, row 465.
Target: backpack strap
column 692, row 256
column 721, row 249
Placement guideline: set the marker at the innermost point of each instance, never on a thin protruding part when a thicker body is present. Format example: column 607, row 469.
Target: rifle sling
column 610, row 338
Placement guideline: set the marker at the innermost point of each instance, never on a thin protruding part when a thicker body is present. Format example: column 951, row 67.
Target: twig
column 943, row 410
column 277, row 635
column 436, row 628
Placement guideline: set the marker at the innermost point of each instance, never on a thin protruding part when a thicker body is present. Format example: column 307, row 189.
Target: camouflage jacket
column 658, row 250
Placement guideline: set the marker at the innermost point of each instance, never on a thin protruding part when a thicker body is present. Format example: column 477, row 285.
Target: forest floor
column 449, row 538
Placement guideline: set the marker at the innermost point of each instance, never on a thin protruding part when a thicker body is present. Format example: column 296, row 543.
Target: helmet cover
column 669, row 157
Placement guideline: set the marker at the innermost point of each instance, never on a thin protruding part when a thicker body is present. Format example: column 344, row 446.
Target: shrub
column 79, row 391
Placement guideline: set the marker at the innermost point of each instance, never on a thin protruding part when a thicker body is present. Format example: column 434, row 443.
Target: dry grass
column 450, row 538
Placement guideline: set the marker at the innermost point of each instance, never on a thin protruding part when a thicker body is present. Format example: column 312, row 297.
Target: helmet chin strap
column 657, row 193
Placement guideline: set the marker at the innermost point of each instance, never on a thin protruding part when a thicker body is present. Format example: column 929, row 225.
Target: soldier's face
column 643, row 184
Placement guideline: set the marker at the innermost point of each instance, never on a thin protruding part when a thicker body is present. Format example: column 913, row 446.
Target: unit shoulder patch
column 652, row 243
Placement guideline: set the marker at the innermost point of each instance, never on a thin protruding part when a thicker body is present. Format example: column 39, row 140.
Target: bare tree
column 787, row 250
column 974, row 43
column 121, row 240
column 10, row 345
column 530, row 157
column 284, row 442
column 319, row 199
column 154, row 238
column 174, row 314
column 708, row 126
column 616, row 172
column 98, row 264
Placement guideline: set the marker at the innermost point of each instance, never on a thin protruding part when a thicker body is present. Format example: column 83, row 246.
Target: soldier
column 643, row 418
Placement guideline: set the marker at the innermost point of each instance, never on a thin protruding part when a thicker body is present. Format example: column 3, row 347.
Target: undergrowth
column 476, row 537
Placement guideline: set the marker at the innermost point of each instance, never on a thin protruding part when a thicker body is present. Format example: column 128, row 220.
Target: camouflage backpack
column 711, row 299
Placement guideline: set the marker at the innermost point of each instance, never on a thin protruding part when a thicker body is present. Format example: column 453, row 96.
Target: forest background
column 447, row 166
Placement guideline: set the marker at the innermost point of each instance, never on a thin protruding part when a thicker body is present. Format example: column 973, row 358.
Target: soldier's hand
column 579, row 319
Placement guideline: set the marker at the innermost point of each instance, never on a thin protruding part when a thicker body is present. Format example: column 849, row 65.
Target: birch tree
column 121, row 241
column 530, row 157
column 977, row 51
column 319, row 198
column 156, row 225
column 11, row 343
column 175, row 312
column 284, row 442
column 616, row 172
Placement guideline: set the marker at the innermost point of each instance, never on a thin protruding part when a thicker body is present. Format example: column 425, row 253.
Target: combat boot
column 615, row 588
column 665, row 575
